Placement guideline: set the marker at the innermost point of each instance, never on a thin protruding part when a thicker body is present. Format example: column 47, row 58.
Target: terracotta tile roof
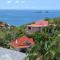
column 22, row 42
column 40, row 23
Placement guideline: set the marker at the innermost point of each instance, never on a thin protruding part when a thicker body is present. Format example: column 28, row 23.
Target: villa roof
column 40, row 23
column 22, row 42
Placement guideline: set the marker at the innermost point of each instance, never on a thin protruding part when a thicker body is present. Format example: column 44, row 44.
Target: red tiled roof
column 39, row 23
column 42, row 22
column 20, row 42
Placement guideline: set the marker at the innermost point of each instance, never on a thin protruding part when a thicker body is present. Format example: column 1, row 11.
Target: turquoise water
column 19, row 17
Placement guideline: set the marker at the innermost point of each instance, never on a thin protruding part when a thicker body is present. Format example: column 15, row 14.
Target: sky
column 30, row 4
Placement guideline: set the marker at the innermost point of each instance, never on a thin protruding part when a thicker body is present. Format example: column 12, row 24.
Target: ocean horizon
column 20, row 17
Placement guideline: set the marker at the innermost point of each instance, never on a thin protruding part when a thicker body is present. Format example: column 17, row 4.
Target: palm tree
column 46, row 48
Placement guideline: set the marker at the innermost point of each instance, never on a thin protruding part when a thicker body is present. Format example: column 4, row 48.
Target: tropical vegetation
column 47, row 43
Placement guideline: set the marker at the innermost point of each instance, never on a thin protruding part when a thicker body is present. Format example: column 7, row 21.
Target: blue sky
column 30, row 4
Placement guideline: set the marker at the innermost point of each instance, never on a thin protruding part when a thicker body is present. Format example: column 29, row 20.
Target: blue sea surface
column 20, row 17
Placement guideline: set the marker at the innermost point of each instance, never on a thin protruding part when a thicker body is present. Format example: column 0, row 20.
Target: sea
column 21, row 17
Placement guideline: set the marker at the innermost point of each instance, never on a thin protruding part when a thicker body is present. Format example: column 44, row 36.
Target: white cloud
column 22, row 1
column 17, row 1
column 9, row 1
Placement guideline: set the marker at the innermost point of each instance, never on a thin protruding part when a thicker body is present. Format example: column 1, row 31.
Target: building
column 21, row 43
column 4, row 25
column 37, row 26
column 7, row 54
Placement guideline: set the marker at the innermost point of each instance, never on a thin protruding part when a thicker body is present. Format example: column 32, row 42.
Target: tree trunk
column 40, row 58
